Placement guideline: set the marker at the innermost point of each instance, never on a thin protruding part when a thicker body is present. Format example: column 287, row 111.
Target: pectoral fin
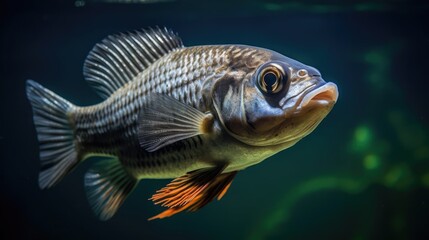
column 193, row 191
column 166, row 120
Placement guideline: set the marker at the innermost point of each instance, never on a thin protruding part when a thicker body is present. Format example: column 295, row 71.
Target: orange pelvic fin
column 192, row 191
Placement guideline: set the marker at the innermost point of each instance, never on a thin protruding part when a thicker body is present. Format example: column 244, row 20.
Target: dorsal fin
column 119, row 58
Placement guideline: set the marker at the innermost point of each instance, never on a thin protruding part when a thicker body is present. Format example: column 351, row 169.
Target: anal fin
column 107, row 185
column 192, row 191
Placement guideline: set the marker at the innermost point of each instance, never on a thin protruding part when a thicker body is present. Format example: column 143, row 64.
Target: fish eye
column 270, row 78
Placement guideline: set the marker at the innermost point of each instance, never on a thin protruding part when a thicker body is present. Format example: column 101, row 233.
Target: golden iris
column 271, row 79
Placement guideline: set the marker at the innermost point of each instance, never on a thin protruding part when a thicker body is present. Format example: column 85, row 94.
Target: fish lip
column 321, row 95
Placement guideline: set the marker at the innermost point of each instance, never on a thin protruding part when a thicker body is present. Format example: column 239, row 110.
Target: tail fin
column 58, row 154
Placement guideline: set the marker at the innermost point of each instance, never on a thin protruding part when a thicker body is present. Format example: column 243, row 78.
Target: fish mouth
column 324, row 95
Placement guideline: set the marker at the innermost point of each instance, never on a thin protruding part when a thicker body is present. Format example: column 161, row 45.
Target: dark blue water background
column 362, row 174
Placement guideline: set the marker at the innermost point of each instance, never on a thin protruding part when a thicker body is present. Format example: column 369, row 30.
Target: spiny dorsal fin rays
column 119, row 58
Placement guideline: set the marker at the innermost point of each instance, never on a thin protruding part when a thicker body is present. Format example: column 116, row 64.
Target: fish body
column 186, row 74
column 196, row 114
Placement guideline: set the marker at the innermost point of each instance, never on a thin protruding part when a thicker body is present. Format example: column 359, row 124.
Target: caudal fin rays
column 58, row 154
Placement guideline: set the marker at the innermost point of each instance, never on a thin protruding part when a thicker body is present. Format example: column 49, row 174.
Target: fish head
column 279, row 101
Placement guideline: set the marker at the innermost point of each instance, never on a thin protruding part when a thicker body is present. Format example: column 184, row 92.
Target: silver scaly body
column 186, row 74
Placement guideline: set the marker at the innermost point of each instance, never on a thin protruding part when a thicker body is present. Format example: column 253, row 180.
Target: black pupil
column 270, row 80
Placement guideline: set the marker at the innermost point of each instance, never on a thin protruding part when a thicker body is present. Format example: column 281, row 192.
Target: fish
column 197, row 115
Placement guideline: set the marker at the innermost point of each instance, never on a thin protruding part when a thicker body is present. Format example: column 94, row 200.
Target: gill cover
column 248, row 105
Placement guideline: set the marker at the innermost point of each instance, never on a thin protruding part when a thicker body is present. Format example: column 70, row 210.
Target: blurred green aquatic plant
column 379, row 65
column 368, row 147
column 371, row 161
column 398, row 177
column 425, row 180
column 283, row 210
column 411, row 135
column 362, row 138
